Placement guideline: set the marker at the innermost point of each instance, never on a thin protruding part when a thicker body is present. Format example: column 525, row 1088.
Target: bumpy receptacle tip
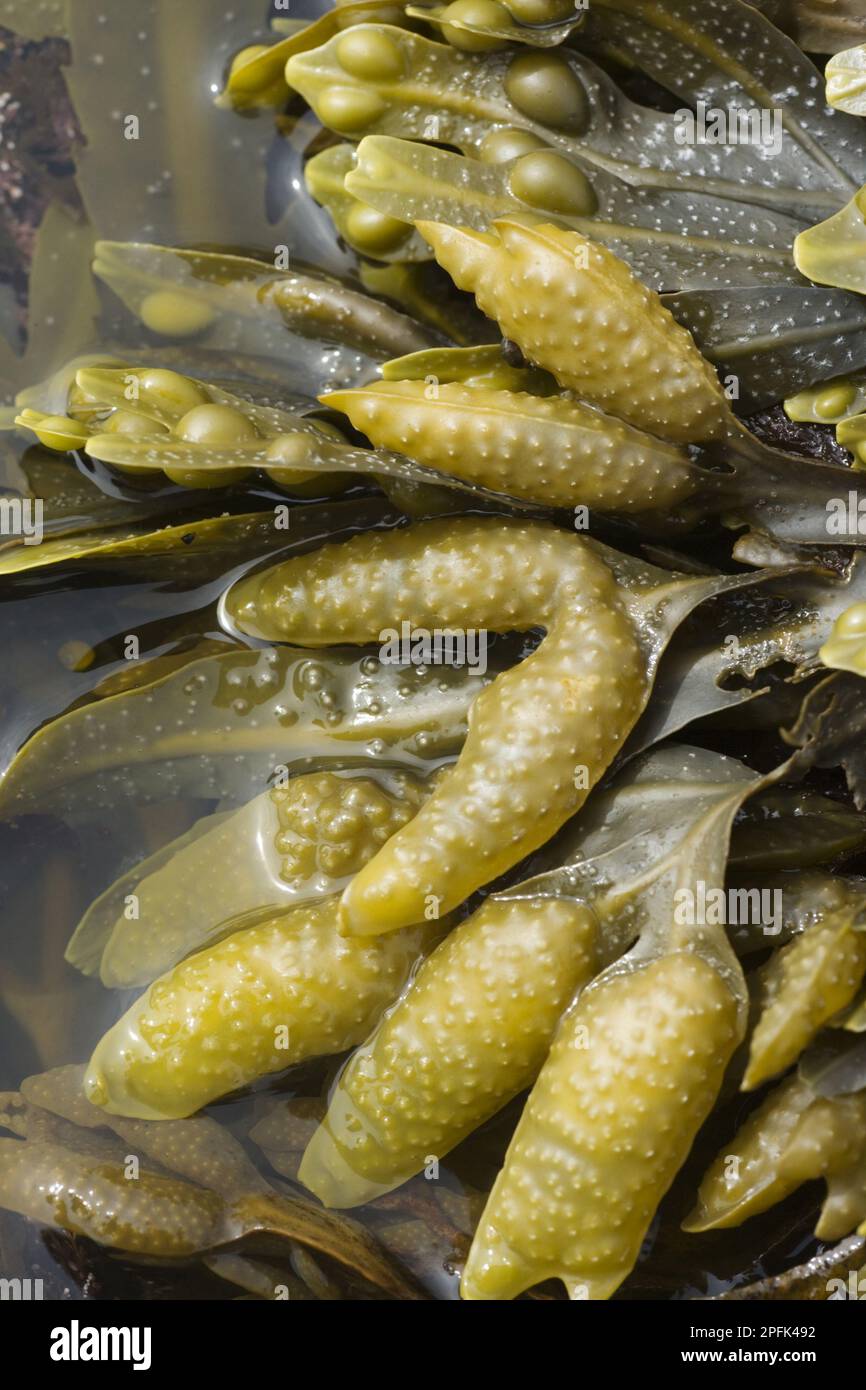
column 495, row 1272
column 238, row 609
column 460, row 250
column 107, row 1078
column 700, row 1219
column 327, row 1173
column 381, row 899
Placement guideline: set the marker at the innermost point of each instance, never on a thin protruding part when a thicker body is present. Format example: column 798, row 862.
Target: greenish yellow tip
column 826, row 404
column 834, row 251
column 846, row 80
column 256, row 78
column 851, row 433
column 475, row 26
column 845, row 648
column 696, row 1222
column 379, row 900
column 326, row 1172
column 57, row 432
column 95, row 1088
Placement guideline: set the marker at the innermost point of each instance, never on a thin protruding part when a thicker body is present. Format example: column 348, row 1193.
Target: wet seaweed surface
column 284, row 364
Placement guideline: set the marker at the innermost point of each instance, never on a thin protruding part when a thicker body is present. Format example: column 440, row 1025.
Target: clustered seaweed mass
column 475, row 884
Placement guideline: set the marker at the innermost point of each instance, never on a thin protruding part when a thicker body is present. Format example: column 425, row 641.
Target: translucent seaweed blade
column 229, row 723
column 794, row 500
column 197, row 1189
column 834, row 251
column 198, row 1149
column 835, row 1065
column 239, row 305
column 21, row 558
column 730, row 56
column 794, row 829
column 699, row 679
column 632, row 876
column 660, row 600
column 463, row 99
column 817, row 26
column 203, row 550
column 691, row 687
column 381, row 236
column 275, row 853
column 88, row 941
column 664, row 236
column 199, row 549
column 476, row 366
column 73, row 504
column 830, row 731
column 776, row 341
column 846, row 80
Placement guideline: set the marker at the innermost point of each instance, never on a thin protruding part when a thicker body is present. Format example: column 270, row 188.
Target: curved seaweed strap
column 545, row 731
